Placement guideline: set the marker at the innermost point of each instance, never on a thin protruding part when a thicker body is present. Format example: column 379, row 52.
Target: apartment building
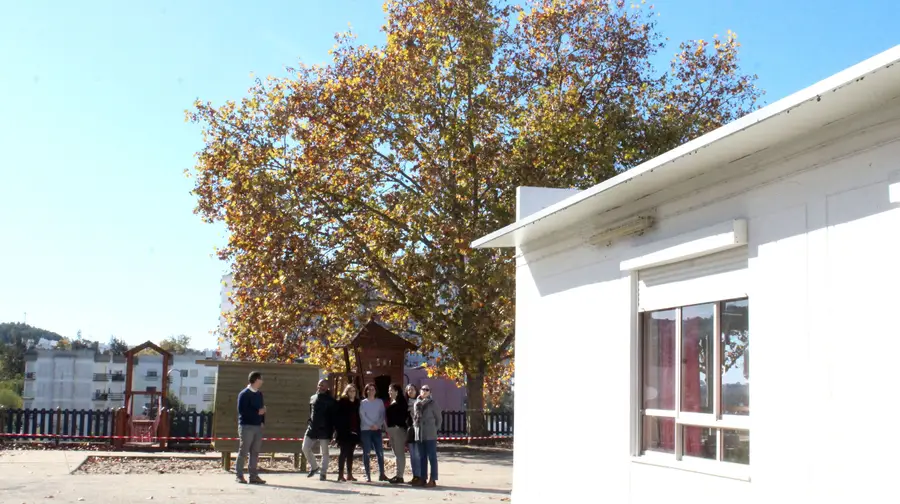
column 87, row 379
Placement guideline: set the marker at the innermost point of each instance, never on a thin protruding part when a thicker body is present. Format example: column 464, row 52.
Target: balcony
column 151, row 376
column 29, row 376
column 208, row 397
column 100, row 396
column 117, row 377
column 116, row 396
column 101, row 377
column 209, row 380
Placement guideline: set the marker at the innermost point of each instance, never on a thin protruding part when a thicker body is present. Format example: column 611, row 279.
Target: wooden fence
column 190, row 424
column 79, row 426
column 76, row 426
column 456, row 423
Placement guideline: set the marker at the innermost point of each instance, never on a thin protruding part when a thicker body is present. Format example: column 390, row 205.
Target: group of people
column 411, row 419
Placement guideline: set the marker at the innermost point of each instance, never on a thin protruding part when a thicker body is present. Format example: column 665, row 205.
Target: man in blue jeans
column 251, row 419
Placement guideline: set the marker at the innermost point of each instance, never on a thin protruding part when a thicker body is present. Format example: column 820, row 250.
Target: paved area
column 46, row 476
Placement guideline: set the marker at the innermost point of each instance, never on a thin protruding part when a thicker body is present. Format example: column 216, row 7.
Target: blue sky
column 96, row 225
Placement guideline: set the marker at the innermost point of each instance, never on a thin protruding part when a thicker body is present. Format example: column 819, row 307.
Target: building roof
column 374, row 334
column 860, row 87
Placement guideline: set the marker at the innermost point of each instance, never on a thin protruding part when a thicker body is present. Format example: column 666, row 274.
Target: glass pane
column 735, row 358
column 659, row 434
column 659, row 360
column 696, row 357
column 737, row 446
column 700, row 442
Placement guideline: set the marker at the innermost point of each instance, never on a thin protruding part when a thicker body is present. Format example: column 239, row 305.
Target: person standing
column 396, row 415
column 320, row 428
column 371, row 415
column 251, row 419
column 427, row 418
column 414, row 446
column 347, row 426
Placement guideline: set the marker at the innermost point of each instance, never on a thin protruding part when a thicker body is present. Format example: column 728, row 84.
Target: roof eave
column 508, row 236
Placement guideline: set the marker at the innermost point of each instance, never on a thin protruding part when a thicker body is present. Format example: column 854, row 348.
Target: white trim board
column 706, row 241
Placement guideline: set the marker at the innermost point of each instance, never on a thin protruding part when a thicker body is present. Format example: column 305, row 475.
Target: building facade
column 85, row 379
column 225, row 306
column 781, row 229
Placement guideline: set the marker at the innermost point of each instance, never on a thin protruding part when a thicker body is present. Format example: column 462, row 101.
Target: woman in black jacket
column 396, row 415
column 347, row 427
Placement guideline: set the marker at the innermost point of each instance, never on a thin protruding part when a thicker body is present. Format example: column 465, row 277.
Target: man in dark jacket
column 321, row 428
column 251, row 418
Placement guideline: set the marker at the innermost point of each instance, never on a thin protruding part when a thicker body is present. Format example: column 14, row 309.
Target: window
column 192, row 391
column 701, row 407
column 184, row 373
column 192, row 407
column 182, row 391
column 194, row 373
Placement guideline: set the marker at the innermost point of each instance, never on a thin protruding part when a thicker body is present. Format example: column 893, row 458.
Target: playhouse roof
column 148, row 345
column 374, row 334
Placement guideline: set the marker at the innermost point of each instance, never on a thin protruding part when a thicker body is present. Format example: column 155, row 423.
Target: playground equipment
column 379, row 355
column 144, row 424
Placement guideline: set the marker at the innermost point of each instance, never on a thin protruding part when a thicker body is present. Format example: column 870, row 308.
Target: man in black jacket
column 321, row 428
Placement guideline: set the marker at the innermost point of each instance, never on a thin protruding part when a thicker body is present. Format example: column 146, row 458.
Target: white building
column 85, row 379
column 225, row 306
column 786, row 221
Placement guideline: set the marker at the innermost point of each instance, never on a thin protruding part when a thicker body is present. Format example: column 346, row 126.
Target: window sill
column 721, row 469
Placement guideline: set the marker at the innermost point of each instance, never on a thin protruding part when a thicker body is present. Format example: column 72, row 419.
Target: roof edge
column 841, row 79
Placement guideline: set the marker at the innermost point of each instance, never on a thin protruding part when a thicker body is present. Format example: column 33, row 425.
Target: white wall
column 823, row 261
column 61, row 379
column 225, row 306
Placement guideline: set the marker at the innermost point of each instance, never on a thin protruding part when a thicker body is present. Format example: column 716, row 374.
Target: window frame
column 715, row 420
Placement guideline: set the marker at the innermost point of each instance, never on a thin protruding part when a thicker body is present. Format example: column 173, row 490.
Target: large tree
column 177, row 345
column 353, row 189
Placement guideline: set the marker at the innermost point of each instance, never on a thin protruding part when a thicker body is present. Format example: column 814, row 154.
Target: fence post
column 163, row 431
column 120, row 428
column 56, row 427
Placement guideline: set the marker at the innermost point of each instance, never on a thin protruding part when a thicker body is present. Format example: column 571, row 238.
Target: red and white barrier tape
column 182, row 438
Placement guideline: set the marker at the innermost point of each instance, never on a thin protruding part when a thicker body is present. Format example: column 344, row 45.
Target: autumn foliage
column 353, row 189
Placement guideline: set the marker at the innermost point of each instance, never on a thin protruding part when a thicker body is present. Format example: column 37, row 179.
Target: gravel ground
column 174, row 465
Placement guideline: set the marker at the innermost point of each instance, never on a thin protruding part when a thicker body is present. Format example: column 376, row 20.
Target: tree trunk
column 475, row 408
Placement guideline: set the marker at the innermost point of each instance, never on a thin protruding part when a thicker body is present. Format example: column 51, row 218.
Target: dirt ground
column 70, row 476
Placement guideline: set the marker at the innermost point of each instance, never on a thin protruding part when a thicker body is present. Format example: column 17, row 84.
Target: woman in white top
column 371, row 416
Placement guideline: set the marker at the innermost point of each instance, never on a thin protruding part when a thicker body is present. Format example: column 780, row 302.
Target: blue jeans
column 414, row 458
column 372, row 439
column 428, row 453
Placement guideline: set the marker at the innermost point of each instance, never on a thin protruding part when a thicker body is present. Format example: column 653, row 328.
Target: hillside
column 9, row 331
